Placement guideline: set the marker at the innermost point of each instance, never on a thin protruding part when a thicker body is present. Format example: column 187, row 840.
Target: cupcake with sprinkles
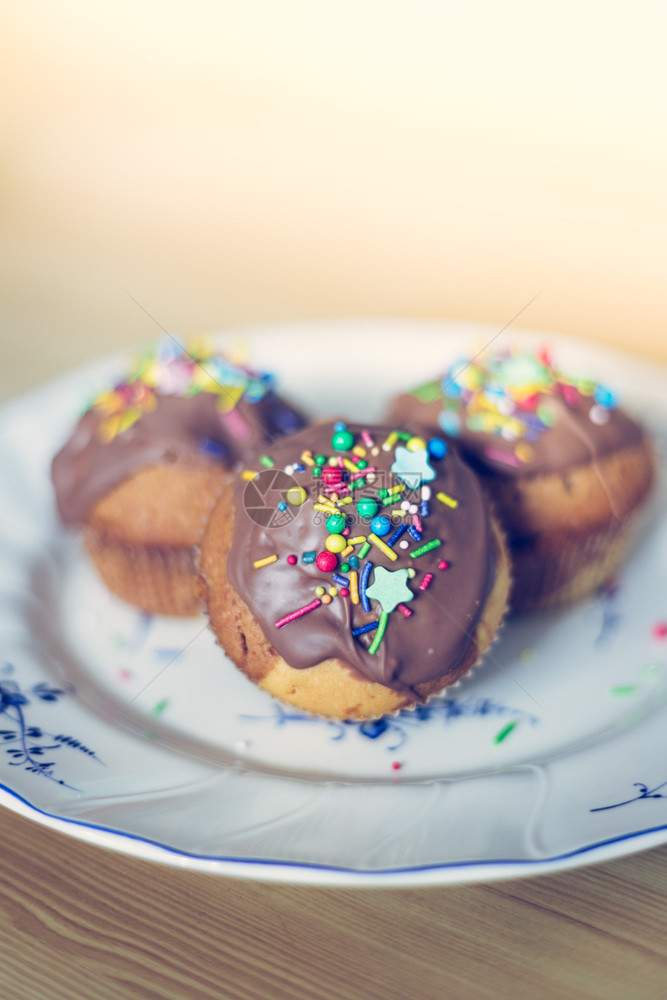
column 352, row 571
column 567, row 469
column 147, row 459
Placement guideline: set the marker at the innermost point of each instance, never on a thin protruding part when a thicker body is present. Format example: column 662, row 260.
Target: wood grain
column 78, row 922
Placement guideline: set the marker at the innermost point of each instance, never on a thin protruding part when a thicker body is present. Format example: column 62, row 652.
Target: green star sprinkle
column 390, row 588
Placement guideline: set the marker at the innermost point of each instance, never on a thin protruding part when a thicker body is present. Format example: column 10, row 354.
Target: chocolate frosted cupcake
column 149, row 456
column 565, row 467
column 353, row 571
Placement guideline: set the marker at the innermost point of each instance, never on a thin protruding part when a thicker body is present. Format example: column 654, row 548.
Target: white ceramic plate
column 136, row 734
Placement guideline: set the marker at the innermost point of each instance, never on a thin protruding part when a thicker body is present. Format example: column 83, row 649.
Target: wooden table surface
column 81, row 923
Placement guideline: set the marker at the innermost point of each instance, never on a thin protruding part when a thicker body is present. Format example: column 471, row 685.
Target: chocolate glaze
column 87, row 468
column 574, row 439
column 422, row 647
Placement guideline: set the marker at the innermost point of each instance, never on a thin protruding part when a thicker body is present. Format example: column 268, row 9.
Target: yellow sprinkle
column 129, row 417
column 395, row 489
column 416, row 444
column 307, row 457
column 359, row 451
column 446, row 499
column 333, row 591
column 296, row 495
column 399, row 513
column 344, row 500
column 350, row 465
column 329, row 508
column 382, row 547
column 354, row 586
column 524, row 452
column 346, row 551
column 319, row 591
column 108, row 429
column 107, row 402
column 357, row 540
column 390, row 442
column 248, row 474
column 258, row 563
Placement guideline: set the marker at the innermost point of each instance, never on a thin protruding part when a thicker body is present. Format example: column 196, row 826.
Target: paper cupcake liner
column 545, row 579
column 156, row 580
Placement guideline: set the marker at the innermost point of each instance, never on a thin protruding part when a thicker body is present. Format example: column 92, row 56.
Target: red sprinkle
column 404, row 610
column 344, row 592
column 326, row 561
column 425, row 582
column 332, row 475
column 443, row 564
column 292, row 560
column 660, row 630
column 396, row 766
column 293, row 615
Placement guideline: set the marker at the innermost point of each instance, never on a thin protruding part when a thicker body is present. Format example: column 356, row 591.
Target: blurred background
column 227, row 164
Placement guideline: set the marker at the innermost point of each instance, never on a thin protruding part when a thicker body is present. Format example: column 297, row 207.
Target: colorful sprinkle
column 363, row 629
column 437, row 448
column 504, row 457
column 326, row 561
column 381, row 525
column 342, row 440
column 367, row 508
column 293, row 615
column 504, row 732
column 335, row 543
column 266, row 461
column 354, row 586
column 382, row 546
column 446, row 499
column 390, row 588
column 405, row 611
column 426, row 581
column 335, row 523
column 377, row 638
column 327, row 507
column 296, row 495
column 397, row 534
column 258, row 563
column 363, row 583
column 433, row 544
column 660, row 630
column 309, row 557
